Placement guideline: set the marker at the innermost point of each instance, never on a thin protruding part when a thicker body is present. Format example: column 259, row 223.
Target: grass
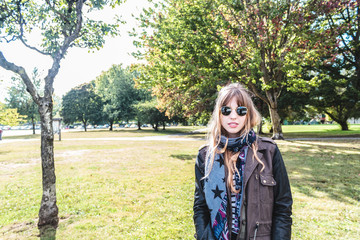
column 117, row 132
column 325, row 130
column 325, row 177
column 290, row 131
column 317, row 131
column 144, row 189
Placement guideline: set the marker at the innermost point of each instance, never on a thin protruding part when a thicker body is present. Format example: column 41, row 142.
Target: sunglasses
column 241, row 111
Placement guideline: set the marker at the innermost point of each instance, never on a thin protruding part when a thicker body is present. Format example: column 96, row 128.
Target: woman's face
column 232, row 123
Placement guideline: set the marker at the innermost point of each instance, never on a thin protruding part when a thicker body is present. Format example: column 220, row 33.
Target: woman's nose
column 233, row 114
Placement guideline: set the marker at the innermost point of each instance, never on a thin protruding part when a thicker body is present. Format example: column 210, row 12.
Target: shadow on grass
column 332, row 170
column 184, row 156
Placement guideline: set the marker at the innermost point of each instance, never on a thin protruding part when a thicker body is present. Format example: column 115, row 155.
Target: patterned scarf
column 215, row 186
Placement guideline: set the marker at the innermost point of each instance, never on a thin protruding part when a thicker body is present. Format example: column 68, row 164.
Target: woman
column 242, row 188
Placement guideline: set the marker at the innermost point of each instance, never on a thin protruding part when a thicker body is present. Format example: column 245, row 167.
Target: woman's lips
column 233, row 124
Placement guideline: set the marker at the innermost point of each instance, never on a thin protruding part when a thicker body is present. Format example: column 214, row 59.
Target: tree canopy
column 116, row 87
column 82, row 104
column 338, row 67
column 146, row 112
column 194, row 47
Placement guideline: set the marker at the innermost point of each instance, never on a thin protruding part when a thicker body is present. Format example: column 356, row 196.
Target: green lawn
column 290, row 131
column 323, row 130
column 317, row 131
column 117, row 132
column 144, row 189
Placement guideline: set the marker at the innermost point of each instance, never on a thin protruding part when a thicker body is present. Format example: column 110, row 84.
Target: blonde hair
column 252, row 119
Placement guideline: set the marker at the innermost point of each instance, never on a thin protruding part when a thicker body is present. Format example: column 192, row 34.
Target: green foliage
column 9, row 116
column 182, row 40
column 20, row 99
column 82, row 104
column 338, row 66
column 146, row 112
column 116, row 87
column 193, row 47
column 56, row 21
column 336, row 95
column 60, row 25
column 294, row 106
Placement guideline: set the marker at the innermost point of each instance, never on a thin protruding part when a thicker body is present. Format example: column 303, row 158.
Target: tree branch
column 336, row 119
column 76, row 33
column 21, row 36
column 257, row 93
column 21, row 71
column 33, row 48
column 53, row 71
column 13, row 38
column 341, row 35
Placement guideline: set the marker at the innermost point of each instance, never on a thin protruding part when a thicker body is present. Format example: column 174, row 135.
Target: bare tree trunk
column 48, row 213
column 33, row 124
column 139, row 125
column 344, row 125
column 111, row 125
column 84, row 122
column 259, row 130
column 276, row 125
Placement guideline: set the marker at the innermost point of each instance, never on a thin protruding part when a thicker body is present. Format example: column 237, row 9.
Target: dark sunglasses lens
column 241, row 111
column 225, row 111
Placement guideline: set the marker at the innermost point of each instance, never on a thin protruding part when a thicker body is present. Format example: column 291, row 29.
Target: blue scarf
column 215, row 187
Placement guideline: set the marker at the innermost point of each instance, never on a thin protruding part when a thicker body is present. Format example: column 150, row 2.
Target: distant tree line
column 112, row 97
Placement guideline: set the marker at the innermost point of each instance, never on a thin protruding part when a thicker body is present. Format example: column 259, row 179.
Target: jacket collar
column 262, row 142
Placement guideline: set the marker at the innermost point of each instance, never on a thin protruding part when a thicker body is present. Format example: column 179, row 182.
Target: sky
column 79, row 65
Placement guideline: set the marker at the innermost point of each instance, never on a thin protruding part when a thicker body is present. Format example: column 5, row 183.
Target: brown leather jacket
column 266, row 209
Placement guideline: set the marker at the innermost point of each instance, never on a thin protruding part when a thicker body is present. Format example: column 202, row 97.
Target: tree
column 82, row 104
column 205, row 44
column 339, row 65
column 62, row 25
column 294, row 106
column 339, row 22
column 21, row 100
column 146, row 112
column 117, row 90
column 9, row 116
column 336, row 96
